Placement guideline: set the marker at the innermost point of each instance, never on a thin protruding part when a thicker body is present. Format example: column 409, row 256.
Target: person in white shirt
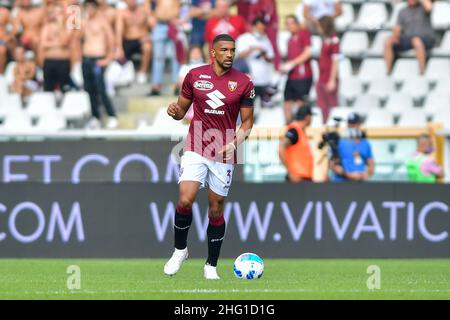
column 256, row 49
column 313, row 10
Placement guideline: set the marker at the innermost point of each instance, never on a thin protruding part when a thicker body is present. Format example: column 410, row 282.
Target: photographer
column 354, row 161
column 294, row 150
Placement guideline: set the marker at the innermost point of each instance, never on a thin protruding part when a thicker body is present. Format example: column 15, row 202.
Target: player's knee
column 185, row 203
column 215, row 209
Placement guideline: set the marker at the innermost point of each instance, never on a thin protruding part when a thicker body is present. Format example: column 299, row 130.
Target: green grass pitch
column 283, row 279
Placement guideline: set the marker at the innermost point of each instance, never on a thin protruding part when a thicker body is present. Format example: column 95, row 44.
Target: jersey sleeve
column 248, row 95
column 187, row 88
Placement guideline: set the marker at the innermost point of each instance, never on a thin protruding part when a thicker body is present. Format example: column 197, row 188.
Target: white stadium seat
column 349, row 89
column 317, row 118
column 270, row 118
column 346, row 18
column 372, row 15
column 371, row 69
column 354, row 43
column 366, row 102
column 316, row 46
column 443, row 85
column 51, row 122
column 282, row 42
column 76, row 105
column 379, row 118
column 394, row 15
column 3, row 87
column 345, row 68
column 339, row 112
column 398, row 103
column 417, row 87
column 444, row 48
column 440, row 16
column 413, row 118
column 77, row 74
column 41, row 103
column 437, row 102
column 10, row 104
column 9, row 72
column 17, row 122
column 381, row 87
column 405, row 69
column 438, row 68
column 377, row 47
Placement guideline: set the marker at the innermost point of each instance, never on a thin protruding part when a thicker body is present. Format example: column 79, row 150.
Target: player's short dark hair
column 258, row 20
column 223, row 37
column 92, row 2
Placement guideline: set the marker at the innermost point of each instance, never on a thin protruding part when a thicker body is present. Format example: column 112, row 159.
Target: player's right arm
column 178, row 110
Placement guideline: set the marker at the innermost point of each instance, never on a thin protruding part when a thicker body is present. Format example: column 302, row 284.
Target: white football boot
column 210, row 272
column 174, row 264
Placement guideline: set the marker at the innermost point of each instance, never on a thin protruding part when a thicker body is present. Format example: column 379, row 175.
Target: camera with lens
column 330, row 139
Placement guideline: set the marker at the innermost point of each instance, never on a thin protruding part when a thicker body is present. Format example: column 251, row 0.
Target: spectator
column 200, row 12
column 313, row 10
column 422, row 167
column 29, row 20
column 413, row 31
column 298, row 66
column 355, row 162
column 166, row 13
column 98, row 42
column 328, row 84
column 24, row 73
column 5, row 36
column 294, row 150
column 256, row 49
column 224, row 23
column 111, row 14
column 133, row 26
column 267, row 10
column 55, row 51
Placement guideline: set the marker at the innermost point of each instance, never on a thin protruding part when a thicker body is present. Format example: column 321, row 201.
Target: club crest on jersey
column 232, row 85
column 203, row 85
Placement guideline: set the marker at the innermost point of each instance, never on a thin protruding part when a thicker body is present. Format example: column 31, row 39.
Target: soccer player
column 219, row 93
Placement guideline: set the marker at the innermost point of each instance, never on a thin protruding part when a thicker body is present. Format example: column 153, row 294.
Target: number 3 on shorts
column 228, row 176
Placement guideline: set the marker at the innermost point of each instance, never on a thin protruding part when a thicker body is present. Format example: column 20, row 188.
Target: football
column 248, row 266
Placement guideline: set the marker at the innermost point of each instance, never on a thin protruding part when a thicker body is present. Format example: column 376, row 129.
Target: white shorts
column 216, row 175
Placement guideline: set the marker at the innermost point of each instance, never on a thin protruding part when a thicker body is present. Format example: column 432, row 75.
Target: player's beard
column 225, row 67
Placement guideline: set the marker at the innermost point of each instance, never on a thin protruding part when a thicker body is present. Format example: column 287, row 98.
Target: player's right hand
column 172, row 110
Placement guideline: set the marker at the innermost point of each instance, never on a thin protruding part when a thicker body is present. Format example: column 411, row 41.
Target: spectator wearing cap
column 412, row 31
column 294, row 150
column 355, row 161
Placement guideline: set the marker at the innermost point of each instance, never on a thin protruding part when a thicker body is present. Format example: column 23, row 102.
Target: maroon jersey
column 217, row 101
column 296, row 45
column 329, row 52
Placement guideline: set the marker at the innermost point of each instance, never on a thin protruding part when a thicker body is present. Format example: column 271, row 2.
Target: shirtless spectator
column 166, row 12
column 55, row 50
column 109, row 12
column 24, row 73
column 133, row 27
column 27, row 25
column 5, row 37
column 97, row 48
column 71, row 13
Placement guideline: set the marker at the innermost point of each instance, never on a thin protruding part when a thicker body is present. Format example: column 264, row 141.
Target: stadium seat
column 444, row 48
column 443, row 85
column 315, row 69
column 51, row 122
column 165, row 124
column 437, row 102
column 377, row 47
column 395, row 12
column 345, row 68
column 440, row 16
column 372, row 16
column 77, row 74
column 17, row 122
column 379, row 118
column 366, row 102
column 398, row 103
column 438, row 68
column 354, row 43
column 10, row 103
column 346, row 18
column 316, row 46
column 338, row 112
column 270, row 118
column 3, row 86
column 120, row 75
column 413, row 118
column 381, row 87
column 417, row 87
column 75, row 105
column 41, row 103
column 317, row 118
column 372, row 69
column 349, row 89
column 405, row 69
